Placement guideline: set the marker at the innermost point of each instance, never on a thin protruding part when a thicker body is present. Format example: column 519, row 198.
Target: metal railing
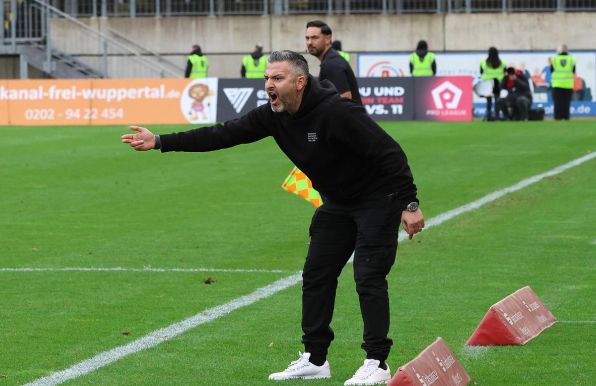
column 138, row 8
column 110, row 47
column 29, row 21
column 172, row 68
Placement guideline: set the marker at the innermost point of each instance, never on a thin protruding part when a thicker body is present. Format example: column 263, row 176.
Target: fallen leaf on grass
column 209, row 280
column 127, row 333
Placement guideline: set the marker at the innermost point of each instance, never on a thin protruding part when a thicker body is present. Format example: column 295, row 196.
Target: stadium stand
column 126, row 38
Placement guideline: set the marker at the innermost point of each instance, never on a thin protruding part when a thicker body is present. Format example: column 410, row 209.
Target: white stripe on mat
column 152, row 339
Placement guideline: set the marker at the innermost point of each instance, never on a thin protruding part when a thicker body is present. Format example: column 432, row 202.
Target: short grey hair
column 562, row 49
column 296, row 61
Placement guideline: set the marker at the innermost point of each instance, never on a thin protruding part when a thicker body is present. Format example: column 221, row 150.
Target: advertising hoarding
column 204, row 101
column 534, row 64
column 238, row 96
column 390, row 99
column 443, row 98
column 108, row 101
column 3, row 104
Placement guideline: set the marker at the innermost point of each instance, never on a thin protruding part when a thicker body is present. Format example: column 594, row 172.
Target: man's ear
column 300, row 82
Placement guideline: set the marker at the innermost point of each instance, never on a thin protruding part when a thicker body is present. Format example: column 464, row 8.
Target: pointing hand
column 141, row 141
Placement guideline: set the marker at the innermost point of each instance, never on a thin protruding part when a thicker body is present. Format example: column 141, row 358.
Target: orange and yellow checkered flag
column 298, row 183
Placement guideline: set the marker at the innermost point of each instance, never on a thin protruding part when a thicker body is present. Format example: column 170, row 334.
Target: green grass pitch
column 76, row 197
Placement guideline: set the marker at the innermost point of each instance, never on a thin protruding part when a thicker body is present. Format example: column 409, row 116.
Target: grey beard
column 280, row 109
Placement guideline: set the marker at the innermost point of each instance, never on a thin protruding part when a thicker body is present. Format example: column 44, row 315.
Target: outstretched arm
column 142, row 140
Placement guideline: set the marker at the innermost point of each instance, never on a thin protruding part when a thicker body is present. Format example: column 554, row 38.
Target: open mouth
column 272, row 98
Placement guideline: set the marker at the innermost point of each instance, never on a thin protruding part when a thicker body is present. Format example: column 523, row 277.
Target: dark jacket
column 337, row 70
column 347, row 156
column 518, row 87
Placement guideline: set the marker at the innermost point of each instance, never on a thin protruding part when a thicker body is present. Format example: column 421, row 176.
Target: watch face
column 412, row 206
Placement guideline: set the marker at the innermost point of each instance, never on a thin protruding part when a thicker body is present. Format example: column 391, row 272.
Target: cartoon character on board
column 199, row 109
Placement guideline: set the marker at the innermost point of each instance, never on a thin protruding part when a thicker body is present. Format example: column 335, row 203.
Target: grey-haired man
column 368, row 188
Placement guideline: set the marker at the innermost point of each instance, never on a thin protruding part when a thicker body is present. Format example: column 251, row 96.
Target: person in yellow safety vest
column 422, row 62
column 197, row 64
column 493, row 68
column 562, row 67
column 337, row 46
column 255, row 64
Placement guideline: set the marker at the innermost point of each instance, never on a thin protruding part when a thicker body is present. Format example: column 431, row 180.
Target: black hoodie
column 347, row 156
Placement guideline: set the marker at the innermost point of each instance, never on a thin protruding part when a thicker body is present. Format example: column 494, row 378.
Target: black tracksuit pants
column 562, row 102
column 370, row 229
column 489, row 101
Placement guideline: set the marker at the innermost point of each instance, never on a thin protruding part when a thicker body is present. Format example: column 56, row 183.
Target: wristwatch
column 412, row 206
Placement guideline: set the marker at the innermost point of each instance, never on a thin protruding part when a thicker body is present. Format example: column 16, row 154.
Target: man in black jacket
column 334, row 68
column 368, row 188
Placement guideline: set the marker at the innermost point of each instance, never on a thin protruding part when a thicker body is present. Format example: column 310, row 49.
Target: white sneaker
column 370, row 374
column 303, row 369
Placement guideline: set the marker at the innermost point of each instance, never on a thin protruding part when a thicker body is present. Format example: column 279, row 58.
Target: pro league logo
column 444, row 98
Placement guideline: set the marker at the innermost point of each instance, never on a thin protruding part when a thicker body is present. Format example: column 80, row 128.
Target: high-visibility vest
column 200, row 64
column 344, row 55
column 422, row 67
column 562, row 75
column 254, row 70
column 493, row 73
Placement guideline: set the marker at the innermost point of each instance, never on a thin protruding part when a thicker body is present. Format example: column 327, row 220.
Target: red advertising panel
column 444, row 98
column 514, row 320
column 436, row 365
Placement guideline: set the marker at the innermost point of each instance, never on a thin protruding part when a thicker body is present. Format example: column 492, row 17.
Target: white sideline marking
column 441, row 218
column 158, row 336
column 153, row 339
column 146, row 269
column 577, row 321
